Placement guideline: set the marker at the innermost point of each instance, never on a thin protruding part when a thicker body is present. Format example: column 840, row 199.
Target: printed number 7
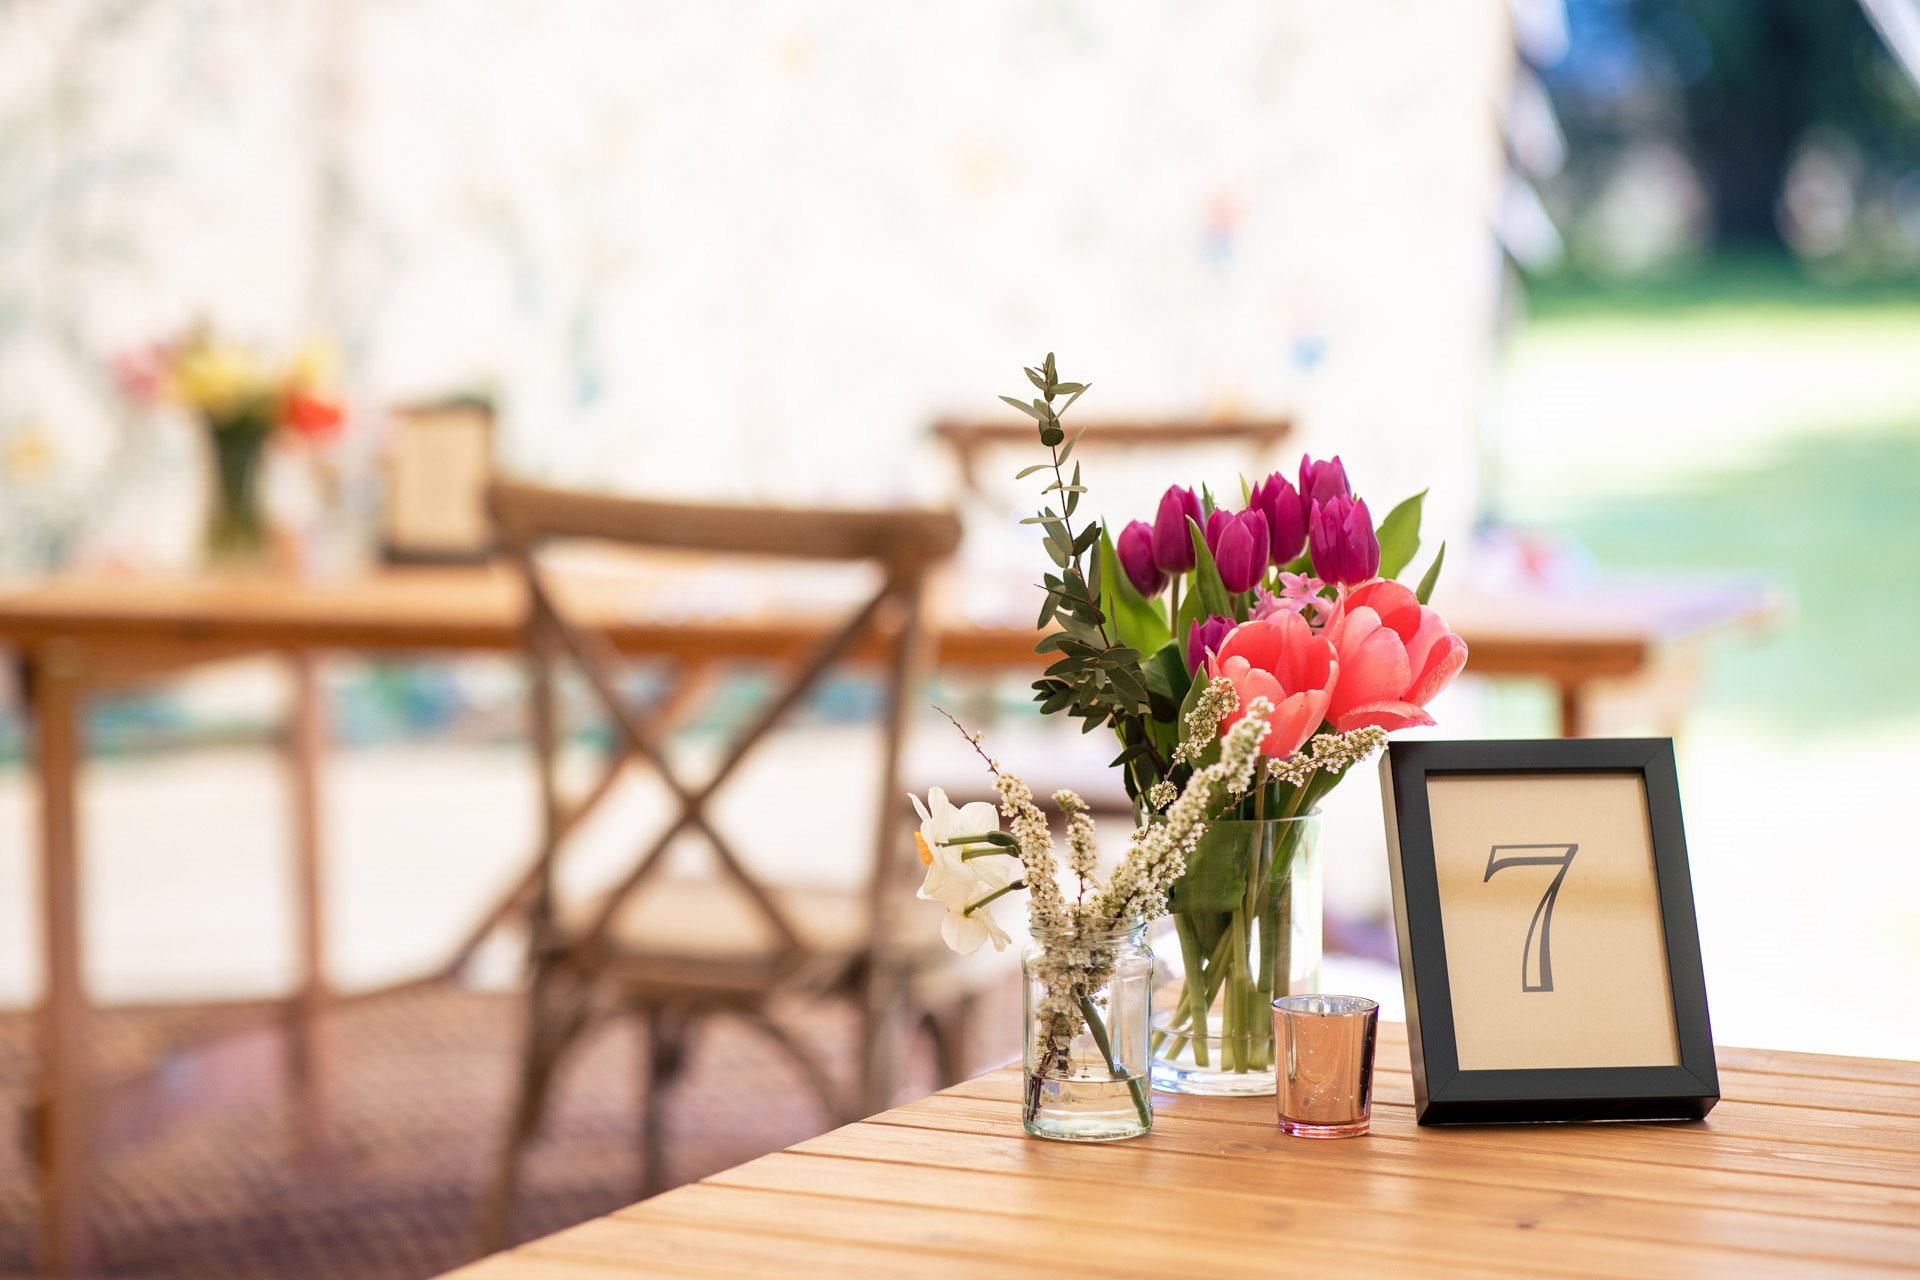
column 1542, row 914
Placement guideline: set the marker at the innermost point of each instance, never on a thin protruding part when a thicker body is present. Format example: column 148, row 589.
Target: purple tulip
column 1216, row 523
column 1135, row 551
column 1204, row 638
column 1286, row 512
column 1238, row 544
column 1172, row 544
column 1345, row 549
column 1320, row 481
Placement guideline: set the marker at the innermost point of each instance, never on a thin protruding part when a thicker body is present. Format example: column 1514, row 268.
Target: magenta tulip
column 1286, row 512
column 1238, row 544
column 1340, row 533
column 1203, row 639
column 1320, row 481
column 1216, row 523
column 1135, row 551
column 1172, row 544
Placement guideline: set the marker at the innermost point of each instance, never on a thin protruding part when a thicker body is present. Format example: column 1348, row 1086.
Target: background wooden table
column 76, row 638
column 1810, row 1165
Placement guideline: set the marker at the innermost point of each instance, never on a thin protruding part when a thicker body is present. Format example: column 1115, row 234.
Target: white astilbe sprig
column 1157, row 855
column 1082, row 852
column 1215, row 703
column 1327, row 752
column 1045, row 906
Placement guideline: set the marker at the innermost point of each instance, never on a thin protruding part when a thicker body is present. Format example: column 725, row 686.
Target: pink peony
column 1282, row 660
column 1394, row 655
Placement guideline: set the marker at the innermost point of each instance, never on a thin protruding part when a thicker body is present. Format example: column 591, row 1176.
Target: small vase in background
column 1232, row 954
column 236, row 533
column 243, row 403
column 1088, row 1008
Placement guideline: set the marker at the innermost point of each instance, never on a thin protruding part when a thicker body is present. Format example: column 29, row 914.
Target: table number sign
column 1546, row 927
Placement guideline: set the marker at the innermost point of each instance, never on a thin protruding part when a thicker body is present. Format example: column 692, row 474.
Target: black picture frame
column 1443, row 1092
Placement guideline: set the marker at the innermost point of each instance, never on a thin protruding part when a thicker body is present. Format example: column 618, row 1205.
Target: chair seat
column 705, row 937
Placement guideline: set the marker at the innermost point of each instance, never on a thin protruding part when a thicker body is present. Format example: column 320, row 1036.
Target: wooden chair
column 968, row 440
column 670, row 950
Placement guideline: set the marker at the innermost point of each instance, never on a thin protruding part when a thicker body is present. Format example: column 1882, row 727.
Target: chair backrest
column 904, row 545
column 968, row 440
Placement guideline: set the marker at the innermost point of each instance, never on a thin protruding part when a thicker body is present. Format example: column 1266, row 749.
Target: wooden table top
column 1808, row 1165
column 980, row 620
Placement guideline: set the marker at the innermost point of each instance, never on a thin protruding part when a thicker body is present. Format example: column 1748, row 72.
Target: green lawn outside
column 1772, row 428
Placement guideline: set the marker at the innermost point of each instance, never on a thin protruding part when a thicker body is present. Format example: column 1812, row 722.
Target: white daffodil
column 956, row 881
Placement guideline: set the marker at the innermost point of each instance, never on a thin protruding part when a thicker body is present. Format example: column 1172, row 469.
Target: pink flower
column 1279, row 659
column 1394, row 653
column 1298, row 593
column 141, row 373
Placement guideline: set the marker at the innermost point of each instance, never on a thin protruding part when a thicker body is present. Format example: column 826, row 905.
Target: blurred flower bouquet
column 242, row 401
column 1168, row 634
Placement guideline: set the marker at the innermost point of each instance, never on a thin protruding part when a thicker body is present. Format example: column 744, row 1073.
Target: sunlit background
column 1633, row 285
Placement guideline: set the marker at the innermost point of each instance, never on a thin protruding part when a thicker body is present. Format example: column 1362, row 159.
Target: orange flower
column 312, row 416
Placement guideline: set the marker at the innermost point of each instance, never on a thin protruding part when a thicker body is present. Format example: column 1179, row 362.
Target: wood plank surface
column 1810, row 1165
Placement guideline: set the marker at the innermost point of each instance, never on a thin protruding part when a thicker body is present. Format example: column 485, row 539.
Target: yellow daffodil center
column 926, row 854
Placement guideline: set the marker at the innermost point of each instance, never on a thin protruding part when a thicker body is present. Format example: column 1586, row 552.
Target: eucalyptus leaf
column 1067, row 452
column 1023, row 407
column 1167, row 681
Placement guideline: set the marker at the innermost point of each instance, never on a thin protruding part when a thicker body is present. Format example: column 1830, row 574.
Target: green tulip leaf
column 1399, row 536
column 1138, row 621
column 1216, row 875
column 1424, row 592
column 1206, row 594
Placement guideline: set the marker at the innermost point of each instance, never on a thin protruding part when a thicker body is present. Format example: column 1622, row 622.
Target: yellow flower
column 216, row 379
column 314, row 364
column 27, row 457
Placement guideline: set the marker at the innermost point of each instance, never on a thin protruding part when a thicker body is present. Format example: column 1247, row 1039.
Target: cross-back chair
column 669, row 950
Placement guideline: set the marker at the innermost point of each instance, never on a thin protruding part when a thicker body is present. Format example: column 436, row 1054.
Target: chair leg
column 548, row 1033
column 881, row 1018
column 818, row 1079
column 660, row 1061
column 949, row 1034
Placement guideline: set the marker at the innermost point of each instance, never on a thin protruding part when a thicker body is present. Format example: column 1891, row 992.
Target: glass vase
column 236, row 532
column 1088, row 1007
column 1254, row 936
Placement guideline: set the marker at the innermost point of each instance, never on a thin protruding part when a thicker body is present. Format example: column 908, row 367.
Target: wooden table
column 77, row 638
column 1809, row 1165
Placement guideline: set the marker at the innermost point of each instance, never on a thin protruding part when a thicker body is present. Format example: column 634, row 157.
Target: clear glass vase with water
column 1088, row 1010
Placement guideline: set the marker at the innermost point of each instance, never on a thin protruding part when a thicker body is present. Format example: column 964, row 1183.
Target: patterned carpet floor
column 420, row 1087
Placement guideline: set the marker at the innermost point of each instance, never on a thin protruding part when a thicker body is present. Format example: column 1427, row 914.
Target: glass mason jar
column 1088, row 1005
column 1242, row 940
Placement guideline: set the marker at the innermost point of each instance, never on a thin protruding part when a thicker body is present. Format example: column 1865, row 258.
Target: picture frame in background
column 439, row 457
column 1548, row 945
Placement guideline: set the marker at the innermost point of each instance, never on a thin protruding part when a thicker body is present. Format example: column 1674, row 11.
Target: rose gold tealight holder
column 1324, row 1087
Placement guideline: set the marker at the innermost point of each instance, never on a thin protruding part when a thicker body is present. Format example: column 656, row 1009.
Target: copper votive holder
column 1324, row 1087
